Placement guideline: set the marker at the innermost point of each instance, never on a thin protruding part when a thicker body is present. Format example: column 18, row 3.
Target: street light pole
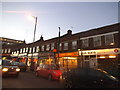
column 32, row 63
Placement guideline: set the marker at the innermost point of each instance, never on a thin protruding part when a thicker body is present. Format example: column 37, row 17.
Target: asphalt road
column 29, row 80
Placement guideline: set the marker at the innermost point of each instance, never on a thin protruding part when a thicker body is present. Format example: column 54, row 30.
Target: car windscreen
column 8, row 63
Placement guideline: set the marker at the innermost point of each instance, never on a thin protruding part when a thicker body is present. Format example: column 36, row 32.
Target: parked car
column 51, row 72
column 22, row 66
column 8, row 68
column 88, row 78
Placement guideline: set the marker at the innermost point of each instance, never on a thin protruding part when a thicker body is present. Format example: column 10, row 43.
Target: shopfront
column 106, row 59
column 68, row 60
column 46, row 57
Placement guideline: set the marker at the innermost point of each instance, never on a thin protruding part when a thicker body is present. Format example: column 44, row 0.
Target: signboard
column 100, row 52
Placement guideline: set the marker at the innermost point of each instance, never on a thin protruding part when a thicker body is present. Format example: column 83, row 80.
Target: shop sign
column 100, row 52
column 45, row 54
column 67, row 54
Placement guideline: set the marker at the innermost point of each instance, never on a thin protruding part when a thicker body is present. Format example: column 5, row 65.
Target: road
column 29, row 80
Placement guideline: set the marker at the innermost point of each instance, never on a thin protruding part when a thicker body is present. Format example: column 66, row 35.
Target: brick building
column 96, row 48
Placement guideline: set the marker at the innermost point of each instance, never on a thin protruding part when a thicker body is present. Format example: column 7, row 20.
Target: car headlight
column 5, row 69
column 17, row 69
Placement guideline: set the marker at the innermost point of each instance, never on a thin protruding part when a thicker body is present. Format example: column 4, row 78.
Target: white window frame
column 74, row 44
column 86, row 43
column 65, row 45
column 47, row 47
column 97, row 41
column 107, row 43
column 52, row 46
column 42, row 48
column 37, row 49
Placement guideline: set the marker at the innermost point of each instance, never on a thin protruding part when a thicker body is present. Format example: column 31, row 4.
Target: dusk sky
column 78, row 16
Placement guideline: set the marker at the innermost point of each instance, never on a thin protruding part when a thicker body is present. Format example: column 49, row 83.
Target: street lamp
column 32, row 64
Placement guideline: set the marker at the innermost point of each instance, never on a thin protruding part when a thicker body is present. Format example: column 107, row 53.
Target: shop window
column 52, row 46
column 66, row 46
column 85, row 43
column 37, row 49
column 97, row 41
column 109, row 39
column 47, row 47
column 74, row 44
column 42, row 48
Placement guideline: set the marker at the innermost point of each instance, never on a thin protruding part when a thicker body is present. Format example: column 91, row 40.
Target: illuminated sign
column 100, row 51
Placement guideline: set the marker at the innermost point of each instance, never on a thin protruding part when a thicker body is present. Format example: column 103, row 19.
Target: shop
column 68, row 60
column 46, row 57
column 106, row 59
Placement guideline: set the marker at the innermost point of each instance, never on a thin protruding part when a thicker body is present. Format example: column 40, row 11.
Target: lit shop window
column 37, row 49
column 47, row 47
column 30, row 50
column 42, row 48
column 97, row 41
column 74, row 44
column 109, row 39
column 85, row 43
column 66, row 46
column 52, row 46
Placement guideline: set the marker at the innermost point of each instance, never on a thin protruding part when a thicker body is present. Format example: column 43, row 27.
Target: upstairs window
column 66, row 46
column 42, row 48
column 52, row 46
column 74, row 44
column 37, row 49
column 97, row 41
column 47, row 47
column 109, row 39
column 85, row 43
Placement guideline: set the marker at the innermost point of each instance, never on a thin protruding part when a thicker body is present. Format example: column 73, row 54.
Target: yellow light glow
column 5, row 69
column 112, row 56
column 17, row 69
column 102, row 57
column 30, row 17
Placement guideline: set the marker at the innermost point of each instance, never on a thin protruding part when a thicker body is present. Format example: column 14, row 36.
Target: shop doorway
column 90, row 61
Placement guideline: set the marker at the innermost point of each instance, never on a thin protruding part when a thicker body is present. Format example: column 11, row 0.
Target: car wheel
column 50, row 77
column 68, row 83
column 36, row 74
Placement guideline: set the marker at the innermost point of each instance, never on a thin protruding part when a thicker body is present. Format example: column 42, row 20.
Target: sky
column 77, row 16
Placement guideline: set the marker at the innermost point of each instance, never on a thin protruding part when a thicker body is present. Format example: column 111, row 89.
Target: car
column 88, row 78
column 8, row 68
column 21, row 65
column 51, row 72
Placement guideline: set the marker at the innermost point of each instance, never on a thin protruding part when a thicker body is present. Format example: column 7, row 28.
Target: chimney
column 41, row 38
column 69, row 32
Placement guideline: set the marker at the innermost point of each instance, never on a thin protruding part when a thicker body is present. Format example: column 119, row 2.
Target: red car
column 51, row 72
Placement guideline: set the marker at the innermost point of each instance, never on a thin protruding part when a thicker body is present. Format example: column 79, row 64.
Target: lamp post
column 32, row 60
